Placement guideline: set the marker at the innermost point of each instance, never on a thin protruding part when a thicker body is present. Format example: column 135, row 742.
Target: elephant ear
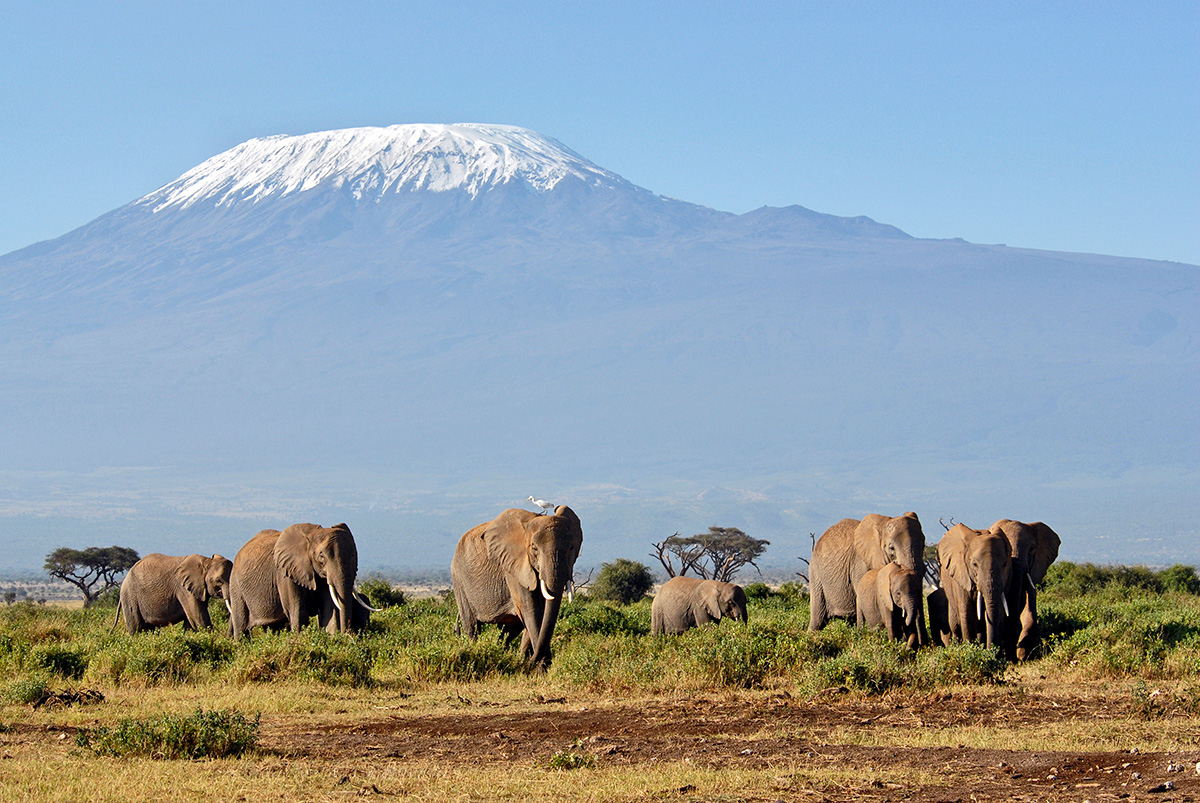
column 868, row 539
column 562, row 511
column 710, row 595
column 952, row 555
column 292, row 555
column 1045, row 551
column 507, row 539
column 190, row 574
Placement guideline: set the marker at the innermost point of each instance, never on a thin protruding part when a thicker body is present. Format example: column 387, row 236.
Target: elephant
column 685, row 602
column 512, row 571
column 892, row 598
column 976, row 569
column 282, row 579
column 1033, row 547
column 850, row 549
column 160, row 590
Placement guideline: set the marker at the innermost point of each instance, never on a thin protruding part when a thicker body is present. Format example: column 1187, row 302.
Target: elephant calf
column 161, row 590
column 891, row 598
column 685, row 602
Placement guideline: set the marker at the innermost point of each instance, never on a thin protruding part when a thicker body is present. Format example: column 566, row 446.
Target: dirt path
column 807, row 737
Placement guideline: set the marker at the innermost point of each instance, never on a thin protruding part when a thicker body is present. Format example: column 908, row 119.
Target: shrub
column 758, row 591
column 26, row 690
column 214, row 734
column 624, row 581
column 466, row 662
column 601, row 619
column 380, row 593
column 312, row 654
column 1180, row 578
column 572, row 759
column 68, row 662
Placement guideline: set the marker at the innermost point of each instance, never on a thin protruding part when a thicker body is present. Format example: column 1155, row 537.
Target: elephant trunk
column 995, row 608
column 541, row 647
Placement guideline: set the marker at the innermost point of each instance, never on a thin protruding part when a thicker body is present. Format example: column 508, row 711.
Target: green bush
column 68, row 662
column 464, row 662
column 380, row 593
column 214, row 734
column 602, row 619
column 312, row 654
column 624, row 581
column 758, row 591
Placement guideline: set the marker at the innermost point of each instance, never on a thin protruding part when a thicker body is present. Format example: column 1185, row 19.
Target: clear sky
column 1069, row 125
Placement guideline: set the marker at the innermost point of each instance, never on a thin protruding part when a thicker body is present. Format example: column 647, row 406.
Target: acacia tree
column 715, row 555
column 93, row 570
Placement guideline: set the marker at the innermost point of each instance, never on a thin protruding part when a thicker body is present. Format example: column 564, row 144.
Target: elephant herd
column 277, row 580
column 872, row 570
column 514, row 571
column 511, row 571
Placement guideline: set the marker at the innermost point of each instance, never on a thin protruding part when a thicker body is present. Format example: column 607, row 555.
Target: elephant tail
column 117, row 619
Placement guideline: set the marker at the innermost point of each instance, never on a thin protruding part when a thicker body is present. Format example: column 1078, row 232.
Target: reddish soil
column 779, row 734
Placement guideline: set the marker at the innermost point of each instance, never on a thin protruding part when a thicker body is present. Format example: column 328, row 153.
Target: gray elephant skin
column 893, row 599
column 512, row 571
column 1033, row 548
column 160, row 590
column 976, row 569
column 283, row 579
column 850, row 549
column 685, row 602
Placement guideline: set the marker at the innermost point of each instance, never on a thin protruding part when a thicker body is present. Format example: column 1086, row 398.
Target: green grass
column 212, row 734
column 1110, row 632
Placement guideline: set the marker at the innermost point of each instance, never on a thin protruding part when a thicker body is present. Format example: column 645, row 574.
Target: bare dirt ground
column 806, row 736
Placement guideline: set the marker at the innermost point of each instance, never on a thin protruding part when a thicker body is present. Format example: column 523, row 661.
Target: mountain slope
column 410, row 328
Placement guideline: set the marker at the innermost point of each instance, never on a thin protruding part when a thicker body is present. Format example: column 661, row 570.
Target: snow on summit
column 375, row 161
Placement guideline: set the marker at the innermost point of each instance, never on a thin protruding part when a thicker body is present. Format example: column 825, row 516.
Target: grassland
column 762, row 712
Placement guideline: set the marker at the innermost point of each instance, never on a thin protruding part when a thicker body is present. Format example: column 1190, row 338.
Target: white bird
column 543, row 504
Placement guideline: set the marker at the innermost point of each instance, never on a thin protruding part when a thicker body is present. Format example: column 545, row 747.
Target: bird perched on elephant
column 283, row 579
column 892, row 598
column 160, row 590
column 976, row 569
column 512, row 571
column 685, row 602
column 850, row 549
column 1033, row 548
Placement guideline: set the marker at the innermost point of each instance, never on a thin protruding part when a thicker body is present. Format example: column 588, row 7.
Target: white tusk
column 337, row 602
column 1005, row 598
column 227, row 606
column 979, row 601
column 571, row 591
column 545, row 591
column 1029, row 579
column 363, row 602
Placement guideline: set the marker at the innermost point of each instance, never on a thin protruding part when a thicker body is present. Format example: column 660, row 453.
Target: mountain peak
column 372, row 162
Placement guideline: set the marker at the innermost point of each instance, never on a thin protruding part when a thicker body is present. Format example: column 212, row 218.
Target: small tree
column 715, row 555
column 622, row 581
column 93, row 570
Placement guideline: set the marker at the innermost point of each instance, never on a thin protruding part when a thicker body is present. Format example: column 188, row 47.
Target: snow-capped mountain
column 411, row 328
column 369, row 163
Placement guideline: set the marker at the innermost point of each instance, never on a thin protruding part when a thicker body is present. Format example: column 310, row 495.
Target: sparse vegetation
column 212, row 734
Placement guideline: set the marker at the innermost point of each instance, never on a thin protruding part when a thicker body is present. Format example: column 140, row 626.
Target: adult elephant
column 976, row 569
column 892, row 598
column 283, row 579
column 1033, row 548
column 850, row 549
column 512, row 571
column 685, row 602
column 160, row 590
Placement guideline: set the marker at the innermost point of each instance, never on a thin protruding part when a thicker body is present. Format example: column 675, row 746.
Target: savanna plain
column 763, row 711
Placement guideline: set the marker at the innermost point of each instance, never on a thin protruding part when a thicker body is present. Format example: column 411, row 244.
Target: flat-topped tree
column 93, row 570
column 715, row 555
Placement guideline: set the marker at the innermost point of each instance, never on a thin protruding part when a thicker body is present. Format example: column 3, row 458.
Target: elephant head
column 881, row 540
column 899, row 591
column 538, row 553
column 976, row 571
column 205, row 578
column 724, row 600
column 309, row 555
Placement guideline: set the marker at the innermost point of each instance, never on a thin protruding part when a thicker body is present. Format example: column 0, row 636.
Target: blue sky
column 1067, row 126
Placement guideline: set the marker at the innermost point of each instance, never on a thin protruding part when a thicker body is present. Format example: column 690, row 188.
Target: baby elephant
column 890, row 597
column 161, row 590
column 684, row 602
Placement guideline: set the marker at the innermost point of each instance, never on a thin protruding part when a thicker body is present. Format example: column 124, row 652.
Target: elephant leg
column 195, row 613
column 512, row 634
column 467, row 623
column 239, row 616
column 816, row 600
column 1028, row 641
